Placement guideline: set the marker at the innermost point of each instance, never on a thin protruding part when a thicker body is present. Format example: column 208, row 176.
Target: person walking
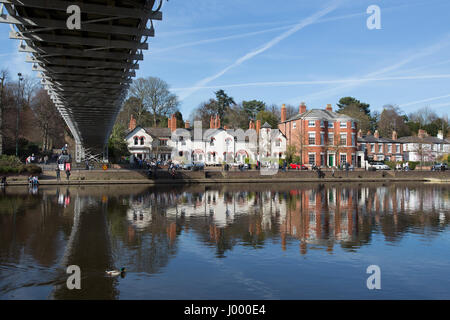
column 58, row 173
column 332, row 171
column 68, row 174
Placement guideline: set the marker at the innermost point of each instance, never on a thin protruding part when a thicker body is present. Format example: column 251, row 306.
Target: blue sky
column 296, row 50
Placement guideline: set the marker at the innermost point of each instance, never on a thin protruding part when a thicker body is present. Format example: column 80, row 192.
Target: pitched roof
column 320, row 114
column 427, row 139
column 159, row 132
column 373, row 139
column 266, row 125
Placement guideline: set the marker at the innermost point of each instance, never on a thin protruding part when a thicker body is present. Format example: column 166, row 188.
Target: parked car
column 298, row 166
column 378, row 166
column 439, row 167
column 187, row 166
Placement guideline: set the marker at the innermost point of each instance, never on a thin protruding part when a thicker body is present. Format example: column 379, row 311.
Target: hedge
column 22, row 169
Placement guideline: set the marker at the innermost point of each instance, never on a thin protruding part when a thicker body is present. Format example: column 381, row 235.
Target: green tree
column 253, row 107
column 347, row 101
column 117, row 147
column 269, row 117
column 223, row 103
column 364, row 121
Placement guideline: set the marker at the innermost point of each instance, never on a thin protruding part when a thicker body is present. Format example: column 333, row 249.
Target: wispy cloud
column 268, row 45
column 364, row 79
column 317, row 82
column 424, row 100
column 212, row 40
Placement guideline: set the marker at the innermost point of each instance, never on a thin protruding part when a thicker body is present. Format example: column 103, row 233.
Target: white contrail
column 424, row 100
column 268, row 45
column 312, row 82
column 249, row 34
column 422, row 53
column 234, row 36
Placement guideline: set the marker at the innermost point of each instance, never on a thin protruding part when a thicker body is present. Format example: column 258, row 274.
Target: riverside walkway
column 129, row 176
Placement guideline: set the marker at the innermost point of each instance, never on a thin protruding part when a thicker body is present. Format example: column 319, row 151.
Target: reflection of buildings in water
column 321, row 216
column 317, row 216
column 223, row 207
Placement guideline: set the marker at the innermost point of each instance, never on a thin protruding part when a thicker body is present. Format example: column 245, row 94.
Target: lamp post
column 18, row 110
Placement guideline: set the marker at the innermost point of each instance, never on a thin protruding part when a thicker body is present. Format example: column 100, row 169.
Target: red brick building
column 321, row 136
column 377, row 148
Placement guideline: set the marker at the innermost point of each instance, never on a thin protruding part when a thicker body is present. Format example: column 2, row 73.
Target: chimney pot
column 394, row 135
column 329, row 107
column 186, row 124
column 359, row 133
column 258, row 126
column 283, row 113
column 302, row 108
column 376, row 134
column 132, row 124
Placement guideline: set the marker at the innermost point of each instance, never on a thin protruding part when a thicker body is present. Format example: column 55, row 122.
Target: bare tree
column 391, row 119
column 154, row 95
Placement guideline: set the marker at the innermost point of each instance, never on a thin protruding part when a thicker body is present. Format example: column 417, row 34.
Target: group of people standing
column 62, row 167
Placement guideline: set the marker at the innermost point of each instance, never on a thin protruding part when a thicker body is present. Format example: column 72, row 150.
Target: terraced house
column 214, row 145
column 322, row 137
column 377, row 148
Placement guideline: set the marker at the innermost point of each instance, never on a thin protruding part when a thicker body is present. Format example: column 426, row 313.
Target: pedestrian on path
column 58, row 173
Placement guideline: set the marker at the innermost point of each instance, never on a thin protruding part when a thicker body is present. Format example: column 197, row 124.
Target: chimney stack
column 283, row 113
column 258, row 126
column 302, row 108
column 440, row 134
column 376, row 134
column 132, row 124
column 218, row 122
column 186, row 124
column 250, row 125
column 422, row 133
column 329, row 107
column 394, row 135
column 173, row 123
column 211, row 123
column 359, row 133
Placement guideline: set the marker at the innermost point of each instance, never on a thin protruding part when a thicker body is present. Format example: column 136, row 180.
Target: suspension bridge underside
column 86, row 71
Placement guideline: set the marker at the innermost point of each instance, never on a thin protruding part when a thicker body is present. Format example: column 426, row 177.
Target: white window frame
column 310, row 134
column 311, row 123
column 343, row 125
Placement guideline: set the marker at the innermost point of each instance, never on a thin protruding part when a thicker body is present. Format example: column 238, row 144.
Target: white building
column 424, row 147
column 213, row 146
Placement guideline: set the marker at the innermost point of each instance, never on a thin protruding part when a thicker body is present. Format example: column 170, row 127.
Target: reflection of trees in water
column 40, row 228
column 322, row 216
column 32, row 225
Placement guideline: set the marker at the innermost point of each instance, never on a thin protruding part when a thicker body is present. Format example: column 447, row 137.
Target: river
column 237, row 241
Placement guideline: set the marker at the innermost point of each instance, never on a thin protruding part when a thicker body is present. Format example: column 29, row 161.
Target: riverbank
column 123, row 176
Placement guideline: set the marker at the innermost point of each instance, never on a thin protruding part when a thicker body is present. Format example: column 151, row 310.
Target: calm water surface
column 295, row 241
